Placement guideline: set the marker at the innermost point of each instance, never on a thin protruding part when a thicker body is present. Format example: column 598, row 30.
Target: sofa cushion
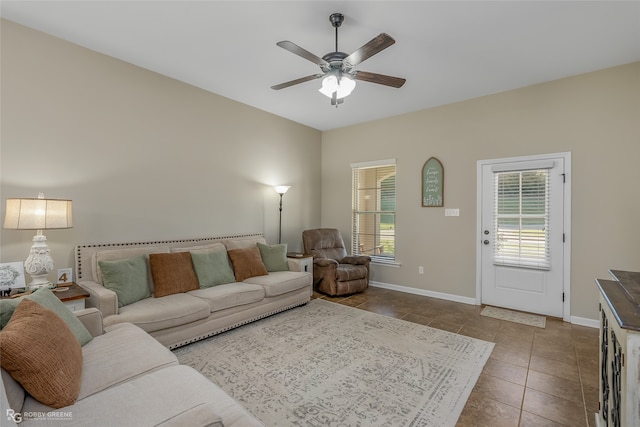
column 128, row 278
column 280, row 282
column 12, row 391
column 203, row 414
column 243, row 242
column 153, row 314
column 212, row 267
column 40, row 352
column 247, row 263
column 46, row 298
column 121, row 354
column 230, row 295
column 115, row 254
column 154, row 399
column 274, row 257
column 216, row 247
column 172, row 273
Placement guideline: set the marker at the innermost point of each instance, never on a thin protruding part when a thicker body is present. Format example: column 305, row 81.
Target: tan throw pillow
column 39, row 351
column 173, row 273
column 247, row 263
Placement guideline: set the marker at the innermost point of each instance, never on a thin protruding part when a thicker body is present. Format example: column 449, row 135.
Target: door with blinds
column 522, row 235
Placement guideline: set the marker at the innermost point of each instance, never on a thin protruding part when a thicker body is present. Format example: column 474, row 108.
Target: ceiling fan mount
column 338, row 68
column 336, row 19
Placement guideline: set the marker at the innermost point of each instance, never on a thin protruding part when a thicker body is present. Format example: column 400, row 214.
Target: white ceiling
column 447, row 50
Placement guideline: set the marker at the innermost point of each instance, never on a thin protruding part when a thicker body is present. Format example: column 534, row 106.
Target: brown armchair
column 335, row 273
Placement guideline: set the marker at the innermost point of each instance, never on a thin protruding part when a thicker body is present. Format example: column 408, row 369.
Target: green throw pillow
column 47, row 299
column 128, row 278
column 274, row 257
column 212, row 268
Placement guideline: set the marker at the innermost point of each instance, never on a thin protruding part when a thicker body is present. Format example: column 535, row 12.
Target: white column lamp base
column 39, row 263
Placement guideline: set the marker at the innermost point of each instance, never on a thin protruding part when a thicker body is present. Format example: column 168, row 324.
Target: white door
column 522, row 234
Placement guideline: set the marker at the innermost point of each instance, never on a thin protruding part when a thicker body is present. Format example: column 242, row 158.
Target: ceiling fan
column 338, row 68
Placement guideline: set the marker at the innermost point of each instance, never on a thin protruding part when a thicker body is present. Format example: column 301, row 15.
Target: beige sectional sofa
column 121, row 371
column 128, row 379
column 181, row 318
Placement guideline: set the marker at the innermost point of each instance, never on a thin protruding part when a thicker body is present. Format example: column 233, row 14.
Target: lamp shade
column 281, row 189
column 38, row 214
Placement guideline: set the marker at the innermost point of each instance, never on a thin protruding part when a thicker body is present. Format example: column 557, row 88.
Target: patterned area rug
column 515, row 316
column 324, row 364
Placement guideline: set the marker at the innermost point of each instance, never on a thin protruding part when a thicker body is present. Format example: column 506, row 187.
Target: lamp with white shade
column 38, row 214
column 281, row 189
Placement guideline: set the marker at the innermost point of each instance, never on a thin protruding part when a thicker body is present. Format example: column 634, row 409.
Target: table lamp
column 38, row 214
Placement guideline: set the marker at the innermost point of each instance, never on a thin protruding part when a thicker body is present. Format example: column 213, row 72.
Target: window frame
column 357, row 213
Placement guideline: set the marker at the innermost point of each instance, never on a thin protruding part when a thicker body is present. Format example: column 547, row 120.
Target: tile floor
column 534, row 377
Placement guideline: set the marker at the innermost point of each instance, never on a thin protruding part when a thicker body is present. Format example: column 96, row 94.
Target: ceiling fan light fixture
column 338, row 68
column 330, row 85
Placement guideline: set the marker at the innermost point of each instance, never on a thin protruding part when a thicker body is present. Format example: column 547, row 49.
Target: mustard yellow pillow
column 172, row 273
column 39, row 351
column 247, row 263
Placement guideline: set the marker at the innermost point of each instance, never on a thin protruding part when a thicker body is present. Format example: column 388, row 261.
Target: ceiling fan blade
column 375, row 45
column 297, row 81
column 294, row 48
column 380, row 79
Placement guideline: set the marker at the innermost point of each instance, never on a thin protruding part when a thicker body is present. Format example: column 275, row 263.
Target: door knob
column 486, row 242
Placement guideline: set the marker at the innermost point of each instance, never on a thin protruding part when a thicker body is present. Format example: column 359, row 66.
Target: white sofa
column 179, row 319
column 128, row 379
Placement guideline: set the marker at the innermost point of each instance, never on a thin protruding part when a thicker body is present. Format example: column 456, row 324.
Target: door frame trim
column 566, row 279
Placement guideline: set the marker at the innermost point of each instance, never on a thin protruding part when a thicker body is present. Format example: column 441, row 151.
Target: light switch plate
column 452, row 212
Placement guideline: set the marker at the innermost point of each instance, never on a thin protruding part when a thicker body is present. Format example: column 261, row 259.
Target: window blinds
column 374, row 210
column 521, row 218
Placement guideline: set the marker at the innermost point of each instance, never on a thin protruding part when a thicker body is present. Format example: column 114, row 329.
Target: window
column 374, row 210
column 521, row 208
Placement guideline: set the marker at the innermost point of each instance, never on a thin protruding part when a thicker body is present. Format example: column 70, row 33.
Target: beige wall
column 146, row 157
column 594, row 116
column 141, row 155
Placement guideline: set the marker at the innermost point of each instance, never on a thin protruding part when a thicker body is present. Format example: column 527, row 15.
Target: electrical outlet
column 452, row 212
column 421, row 270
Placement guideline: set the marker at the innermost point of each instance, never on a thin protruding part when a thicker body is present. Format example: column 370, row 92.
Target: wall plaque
column 432, row 183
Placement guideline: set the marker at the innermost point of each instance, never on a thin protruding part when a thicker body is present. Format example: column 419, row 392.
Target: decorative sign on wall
column 432, row 183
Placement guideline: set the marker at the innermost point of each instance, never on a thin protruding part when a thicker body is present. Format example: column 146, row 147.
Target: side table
column 304, row 261
column 72, row 295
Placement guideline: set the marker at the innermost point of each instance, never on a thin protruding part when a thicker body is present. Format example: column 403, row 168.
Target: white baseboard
column 598, row 423
column 582, row 321
column 424, row 292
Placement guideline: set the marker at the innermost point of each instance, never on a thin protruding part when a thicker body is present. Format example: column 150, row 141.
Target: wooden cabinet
column 619, row 379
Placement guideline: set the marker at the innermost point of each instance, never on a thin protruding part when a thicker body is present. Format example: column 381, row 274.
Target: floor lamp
column 38, row 214
column 281, row 189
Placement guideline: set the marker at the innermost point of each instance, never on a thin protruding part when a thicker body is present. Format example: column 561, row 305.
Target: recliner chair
column 334, row 272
